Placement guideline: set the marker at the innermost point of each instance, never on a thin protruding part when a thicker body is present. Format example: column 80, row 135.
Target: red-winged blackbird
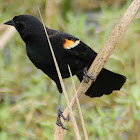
column 68, row 50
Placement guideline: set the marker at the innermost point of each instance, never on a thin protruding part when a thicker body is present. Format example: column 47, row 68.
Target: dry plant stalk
column 102, row 57
column 74, row 124
column 78, row 104
column 6, row 36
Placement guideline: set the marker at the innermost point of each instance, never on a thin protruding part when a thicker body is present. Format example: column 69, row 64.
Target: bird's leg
column 60, row 114
column 86, row 74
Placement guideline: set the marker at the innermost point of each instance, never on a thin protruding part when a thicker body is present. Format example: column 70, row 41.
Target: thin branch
column 109, row 46
column 78, row 104
column 75, row 127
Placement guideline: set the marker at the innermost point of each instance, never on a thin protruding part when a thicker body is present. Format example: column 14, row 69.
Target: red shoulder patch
column 68, row 44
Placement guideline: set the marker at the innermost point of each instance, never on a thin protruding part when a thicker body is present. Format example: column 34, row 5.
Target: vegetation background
column 28, row 98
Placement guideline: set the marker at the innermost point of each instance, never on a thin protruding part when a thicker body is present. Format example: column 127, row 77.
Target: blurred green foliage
column 29, row 98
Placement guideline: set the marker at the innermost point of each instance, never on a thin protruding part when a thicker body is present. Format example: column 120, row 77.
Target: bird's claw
column 86, row 74
column 58, row 122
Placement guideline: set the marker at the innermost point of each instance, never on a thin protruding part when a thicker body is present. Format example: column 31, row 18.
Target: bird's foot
column 59, row 116
column 86, row 74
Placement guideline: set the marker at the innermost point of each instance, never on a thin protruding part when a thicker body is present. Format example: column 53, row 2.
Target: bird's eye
column 20, row 25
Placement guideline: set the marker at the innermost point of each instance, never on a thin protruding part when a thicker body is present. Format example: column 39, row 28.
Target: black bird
column 68, row 50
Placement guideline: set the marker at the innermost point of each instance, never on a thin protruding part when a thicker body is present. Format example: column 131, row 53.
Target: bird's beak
column 10, row 22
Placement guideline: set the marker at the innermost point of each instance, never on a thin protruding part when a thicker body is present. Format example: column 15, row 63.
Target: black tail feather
column 105, row 83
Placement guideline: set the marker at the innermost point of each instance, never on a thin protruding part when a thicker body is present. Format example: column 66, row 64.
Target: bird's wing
column 74, row 46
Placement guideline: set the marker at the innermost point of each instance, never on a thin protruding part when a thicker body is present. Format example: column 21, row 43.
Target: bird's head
column 26, row 25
